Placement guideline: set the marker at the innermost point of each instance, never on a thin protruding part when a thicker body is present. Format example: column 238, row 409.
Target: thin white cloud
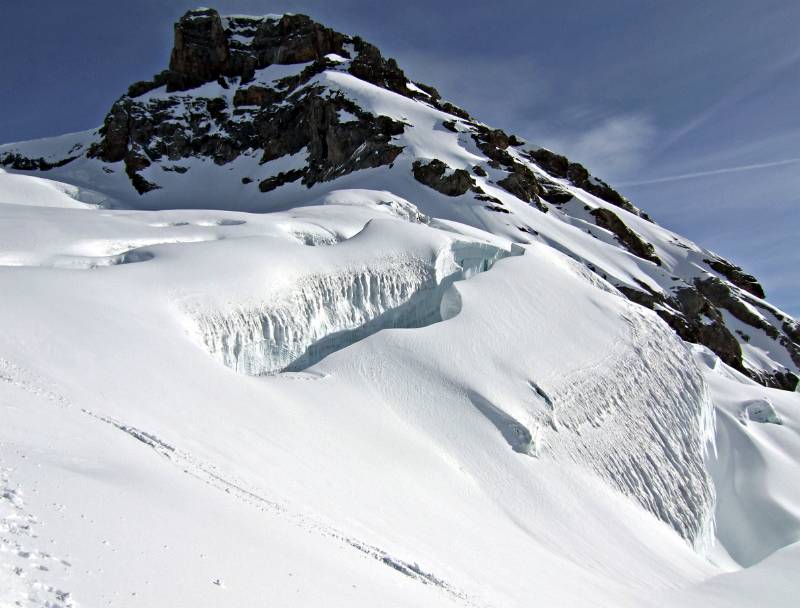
column 747, row 86
column 673, row 178
column 612, row 146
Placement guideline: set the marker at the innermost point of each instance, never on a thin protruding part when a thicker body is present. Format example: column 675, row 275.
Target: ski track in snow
column 33, row 568
column 207, row 473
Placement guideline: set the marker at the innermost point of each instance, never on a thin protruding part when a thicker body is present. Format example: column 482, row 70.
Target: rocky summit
column 276, row 111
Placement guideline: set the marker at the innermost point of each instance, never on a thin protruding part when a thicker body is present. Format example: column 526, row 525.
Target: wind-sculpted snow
column 639, row 416
column 322, row 313
column 755, row 464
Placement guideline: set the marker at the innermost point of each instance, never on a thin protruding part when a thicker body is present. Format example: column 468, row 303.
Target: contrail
column 673, row 178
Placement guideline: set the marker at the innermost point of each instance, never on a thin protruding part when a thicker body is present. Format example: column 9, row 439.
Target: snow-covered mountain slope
column 268, row 113
column 291, row 327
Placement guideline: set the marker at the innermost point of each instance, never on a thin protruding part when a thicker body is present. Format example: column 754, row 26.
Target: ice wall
column 642, row 418
column 322, row 313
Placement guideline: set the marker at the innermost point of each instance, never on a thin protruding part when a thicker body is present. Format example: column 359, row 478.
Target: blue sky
column 690, row 108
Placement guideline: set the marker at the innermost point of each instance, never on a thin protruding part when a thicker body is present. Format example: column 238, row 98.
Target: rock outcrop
column 280, row 121
column 578, row 175
column 440, row 177
column 737, row 276
column 206, row 48
column 609, row 220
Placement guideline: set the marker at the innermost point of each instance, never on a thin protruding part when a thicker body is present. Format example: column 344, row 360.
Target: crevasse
column 323, row 313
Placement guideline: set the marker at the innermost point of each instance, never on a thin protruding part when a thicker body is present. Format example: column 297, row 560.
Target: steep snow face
column 755, row 462
column 577, row 400
column 317, row 314
column 754, row 467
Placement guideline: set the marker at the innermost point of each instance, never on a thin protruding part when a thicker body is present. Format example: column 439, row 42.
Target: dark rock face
column 554, row 194
column 694, row 314
column 693, row 318
column 336, row 148
column 145, row 86
column 22, row 163
column 704, row 325
column 203, row 50
column 792, row 330
column 497, row 208
column 554, row 164
column 433, row 175
column 277, row 120
column 786, row 381
column 497, row 139
column 719, row 294
column 560, row 166
column 115, row 132
column 522, row 183
column 609, row 220
column 293, row 39
column 369, row 65
column 736, row 276
column 255, row 96
column 148, row 131
column 279, row 180
column 137, row 133
column 722, row 296
column 200, row 53
column 211, row 48
column 133, row 164
column 493, row 143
